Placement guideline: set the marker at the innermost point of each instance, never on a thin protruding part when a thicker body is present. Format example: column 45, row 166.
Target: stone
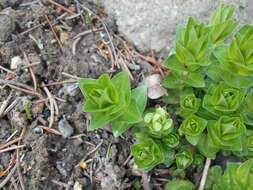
column 6, row 27
column 151, row 25
column 65, row 128
column 16, row 62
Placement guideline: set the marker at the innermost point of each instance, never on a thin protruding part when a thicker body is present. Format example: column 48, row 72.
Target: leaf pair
column 111, row 100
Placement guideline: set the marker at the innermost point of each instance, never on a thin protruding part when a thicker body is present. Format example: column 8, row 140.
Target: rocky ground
column 44, row 46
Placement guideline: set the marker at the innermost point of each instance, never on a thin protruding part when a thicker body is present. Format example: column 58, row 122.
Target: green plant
column 209, row 100
column 147, row 154
column 236, row 177
column 177, row 184
column 226, row 133
column 111, row 100
column 159, row 123
column 192, row 127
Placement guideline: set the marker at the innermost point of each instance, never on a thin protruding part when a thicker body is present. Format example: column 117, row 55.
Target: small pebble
column 16, row 61
column 77, row 186
column 65, row 128
column 70, row 89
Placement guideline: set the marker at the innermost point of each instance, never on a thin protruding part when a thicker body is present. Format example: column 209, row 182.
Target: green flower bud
column 159, row 123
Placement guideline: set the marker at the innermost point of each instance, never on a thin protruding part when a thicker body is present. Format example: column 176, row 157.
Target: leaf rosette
column 189, row 105
column 223, row 99
column 172, row 140
column 111, row 100
column 226, row 133
column 184, row 158
column 159, row 123
column 104, row 98
column 147, row 154
column 192, row 127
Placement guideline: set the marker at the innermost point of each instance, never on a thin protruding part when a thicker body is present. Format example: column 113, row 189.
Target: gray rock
column 65, row 128
column 6, row 27
column 8, row 3
column 151, row 25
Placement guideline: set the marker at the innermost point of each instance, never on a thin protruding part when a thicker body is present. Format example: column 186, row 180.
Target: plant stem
column 204, row 175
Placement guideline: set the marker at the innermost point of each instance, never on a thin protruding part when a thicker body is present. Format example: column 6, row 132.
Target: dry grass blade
column 62, row 7
column 55, row 35
column 31, row 71
column 52, row 106
column 12, row 148
column 50, row 130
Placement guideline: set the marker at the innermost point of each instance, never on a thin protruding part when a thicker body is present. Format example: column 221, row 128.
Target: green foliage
column 184, row 158
column 236, row 177
column 210, row 101
column 111, row 100
column 171, row 140
column 194, row 47
column 214, row 174
column 192, row 127
column 178, row 184
column 226, row 133
column 147, row 154
column 222, row 99
column 159, row 123
column 189, row 105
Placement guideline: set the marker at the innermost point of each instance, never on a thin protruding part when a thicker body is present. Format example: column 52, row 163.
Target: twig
column 62, row 7
column 12, row 148
column 60, row 183
column 69, row 75
column 31, row 71
column 51, row 102
column 204, row 175
column 91, row 152
column 50, row 130
column 5, row 103
column 24, row 90
column 30, row 65
column 77, row 38
column 11, row 106
column 58, row 83
column 127, row 160
column 10, row 143
column 5, row 181
column 30, row 29
column 7, row 70
column 18, row 161
column 87, row 32
column 15, row 83
column 55, row 35
column 12, row 135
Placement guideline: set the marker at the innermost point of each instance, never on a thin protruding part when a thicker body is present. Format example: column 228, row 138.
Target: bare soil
column 50, row 161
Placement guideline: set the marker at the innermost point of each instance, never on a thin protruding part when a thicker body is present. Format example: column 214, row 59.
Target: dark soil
column 50, row 161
